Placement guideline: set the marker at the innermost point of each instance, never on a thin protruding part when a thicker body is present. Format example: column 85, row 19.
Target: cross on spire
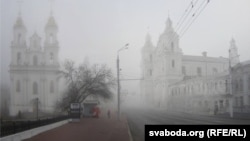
column 19, row 2
column 148, row 29
column 51, row 6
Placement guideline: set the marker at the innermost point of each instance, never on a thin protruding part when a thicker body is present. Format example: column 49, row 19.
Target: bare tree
column 85, row 80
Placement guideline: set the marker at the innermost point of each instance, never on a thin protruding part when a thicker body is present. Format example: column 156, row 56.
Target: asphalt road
column 137, row 118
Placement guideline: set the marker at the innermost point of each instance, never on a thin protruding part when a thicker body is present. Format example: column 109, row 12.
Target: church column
column 12, row 97
column 57, row 89
column 29, row 94
column 43, row 94
column 25, row 93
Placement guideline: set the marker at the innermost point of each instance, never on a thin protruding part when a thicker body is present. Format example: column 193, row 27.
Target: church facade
column 165, row 69
column 34, row 69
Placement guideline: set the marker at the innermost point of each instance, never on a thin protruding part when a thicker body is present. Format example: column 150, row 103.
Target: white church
column 34, row 69
column 168, row 73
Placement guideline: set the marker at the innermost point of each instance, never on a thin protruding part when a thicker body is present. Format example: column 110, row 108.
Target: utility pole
column 118, row 81
column 230, row 88
column 37, row 100
column 118, row 87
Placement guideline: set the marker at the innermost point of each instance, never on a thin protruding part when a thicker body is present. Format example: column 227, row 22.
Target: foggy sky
column 96, row 29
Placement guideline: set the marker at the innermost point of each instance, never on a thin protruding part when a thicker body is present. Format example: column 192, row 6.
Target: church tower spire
column 233, row 53
column 51, row 30
column 168, row 40
column 19, row 30
column 147, row 69
column 18, row 44
column 168, row 23
column 51, row 46
column 147, row 57
column 148, row 42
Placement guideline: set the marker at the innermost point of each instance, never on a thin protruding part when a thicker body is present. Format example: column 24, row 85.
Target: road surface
column 137, row 118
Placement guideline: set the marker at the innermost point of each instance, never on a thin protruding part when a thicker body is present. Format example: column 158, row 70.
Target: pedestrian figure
column 96, row 112
column 108, row 113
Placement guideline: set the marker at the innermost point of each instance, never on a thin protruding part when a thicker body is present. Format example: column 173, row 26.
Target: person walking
column 108, row 113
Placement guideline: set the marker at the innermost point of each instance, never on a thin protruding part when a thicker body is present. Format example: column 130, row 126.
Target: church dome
column 168, row 22
column 19, row 23
column 51, row 23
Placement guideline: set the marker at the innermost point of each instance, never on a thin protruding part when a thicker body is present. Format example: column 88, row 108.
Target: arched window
column 241, row 85
column 51, row 38
column 18, row 87
column 35, row 88
column 19, row 38
column 236, row 86
column 51, row 57
column 35, row 60
column 215, row 86
column 35, row 43
column 18, row 58
column 51, row 87
column 150, row 72
column 199, row 71
column 183, row 70
column 172, row 46
column 221, row 84
column 241, row 101
column 236, row 101
column 173, row 63
column 227, row 86
column 227, row 102
column 215, row 70
column 151, row 58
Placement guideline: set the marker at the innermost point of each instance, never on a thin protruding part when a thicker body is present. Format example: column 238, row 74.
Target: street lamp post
column 230, row 88
column 118, row 81
column 37, row 108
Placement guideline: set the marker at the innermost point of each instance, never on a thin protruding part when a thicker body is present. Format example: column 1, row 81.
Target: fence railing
column 12, row 127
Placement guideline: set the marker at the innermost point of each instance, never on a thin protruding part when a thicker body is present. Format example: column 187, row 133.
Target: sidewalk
column 88, row 129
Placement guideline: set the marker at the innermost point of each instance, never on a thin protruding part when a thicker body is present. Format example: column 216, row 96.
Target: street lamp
column 118, row 80
column 230, row 87
column 37, row 107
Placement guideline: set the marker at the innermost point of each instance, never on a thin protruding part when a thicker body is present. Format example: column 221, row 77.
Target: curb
column 129, row 132
column 33, row 132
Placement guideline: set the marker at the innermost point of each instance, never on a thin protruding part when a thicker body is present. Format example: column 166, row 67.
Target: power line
column 183, row 18
column 131, row 79
column 195, row 16
column 180, row 30
column 190, row 19
column 186, row 14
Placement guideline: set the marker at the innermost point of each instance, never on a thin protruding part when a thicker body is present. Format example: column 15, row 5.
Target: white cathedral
column 165, row 66
column 34, row 69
